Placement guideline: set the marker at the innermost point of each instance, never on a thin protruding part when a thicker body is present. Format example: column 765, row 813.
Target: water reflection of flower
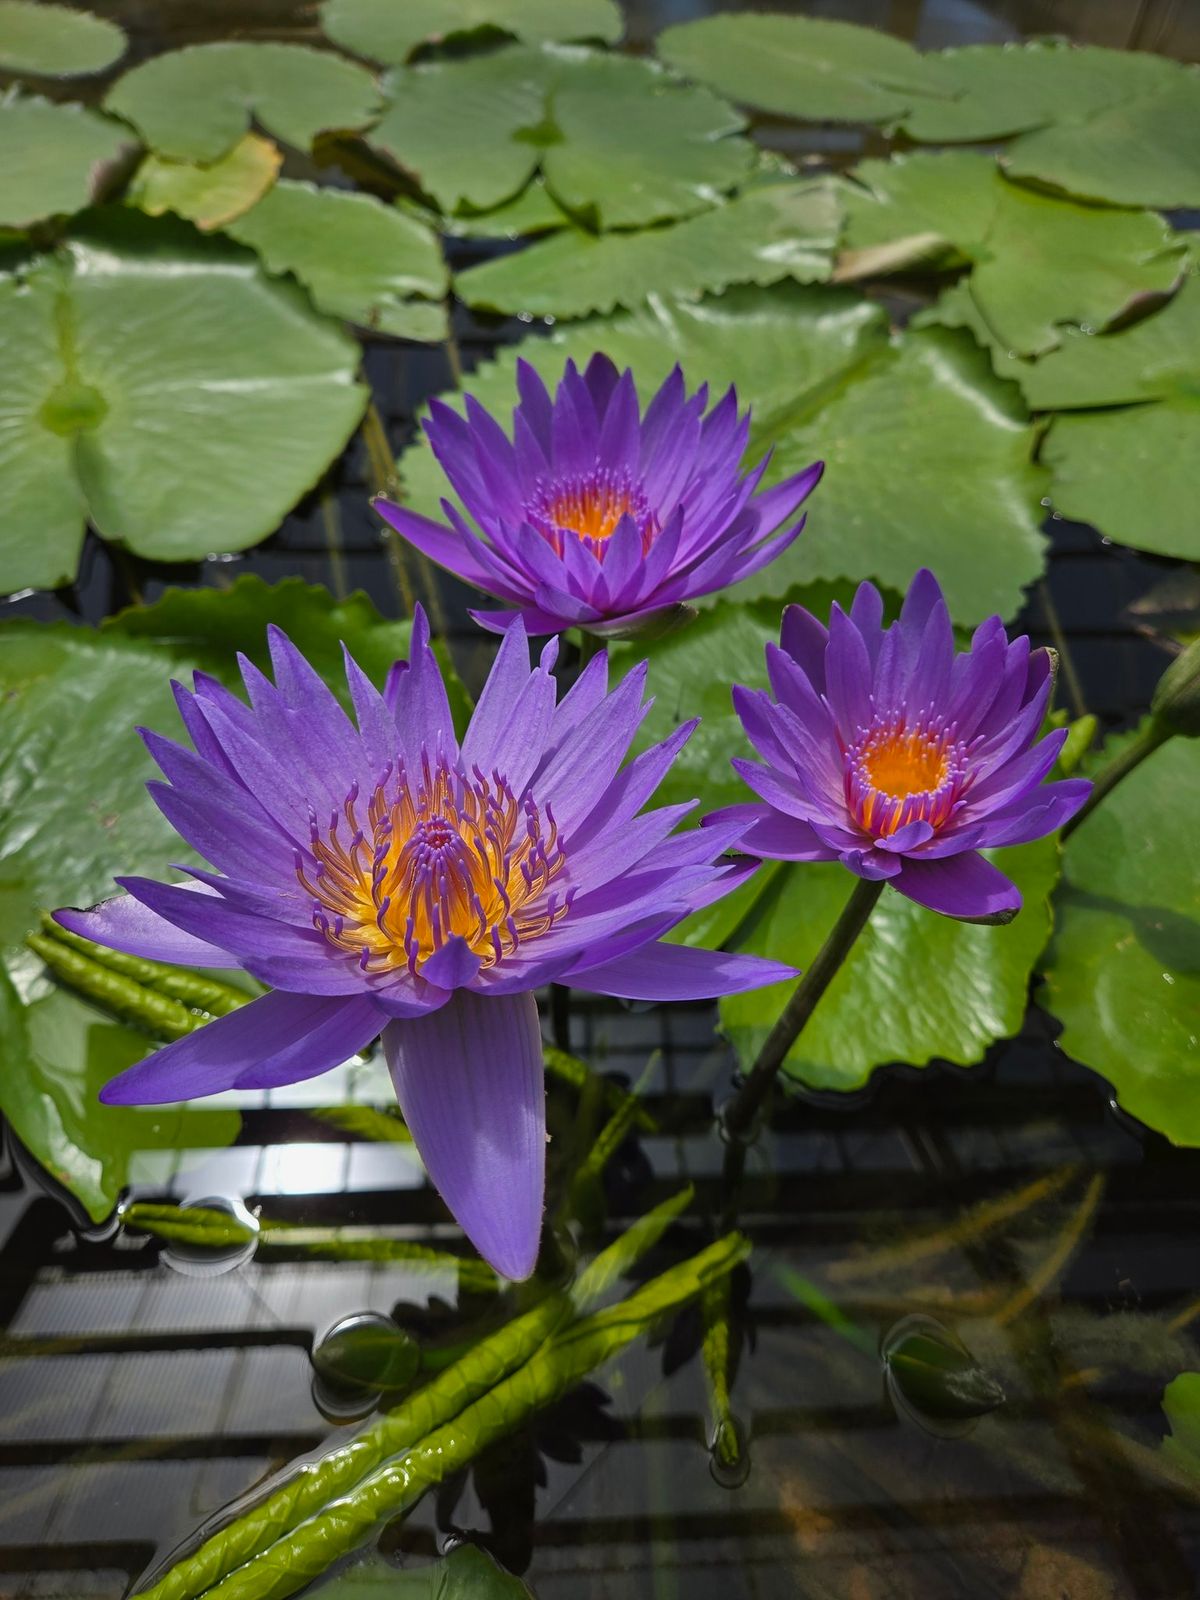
column 384, row 877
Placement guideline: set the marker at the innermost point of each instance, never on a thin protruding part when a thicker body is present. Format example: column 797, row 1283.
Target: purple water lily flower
column 901, row 758
column 384, row 877
column 595, row 516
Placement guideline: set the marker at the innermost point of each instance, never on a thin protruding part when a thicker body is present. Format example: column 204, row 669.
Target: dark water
column 139, row 1393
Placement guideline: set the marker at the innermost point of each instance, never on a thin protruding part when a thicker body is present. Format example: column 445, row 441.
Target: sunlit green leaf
column 805, row 67
column 1123, row 973
column 53, row 158
column 927, row 452
column 56, row 41
column 381, row 30
column 474, row 131
column 785, row 230
column 916, row 987
column 1181, row 1403
column 163, row 386
column 58, row 1052
column 358, row 258
column 194, row 104
column 1039, row 261
column 209, row 196
column 533, row 211
column 993, row 91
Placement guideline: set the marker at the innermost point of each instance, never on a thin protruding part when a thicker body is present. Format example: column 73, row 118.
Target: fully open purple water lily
column 890, row 752
column 595, row 516
column 384, row 877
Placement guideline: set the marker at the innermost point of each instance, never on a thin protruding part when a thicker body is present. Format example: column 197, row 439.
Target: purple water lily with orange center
column 594, row 515
column 890, row 751
column 381, row 876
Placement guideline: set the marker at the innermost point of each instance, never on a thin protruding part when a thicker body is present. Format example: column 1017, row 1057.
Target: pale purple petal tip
column 470, row 1082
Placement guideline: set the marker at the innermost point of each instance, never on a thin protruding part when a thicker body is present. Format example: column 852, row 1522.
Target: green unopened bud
column 1176, row 702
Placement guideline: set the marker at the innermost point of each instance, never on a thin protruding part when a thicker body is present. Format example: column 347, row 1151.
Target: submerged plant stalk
column 742, row 1110
column 317, row 1483
column 562, row 1362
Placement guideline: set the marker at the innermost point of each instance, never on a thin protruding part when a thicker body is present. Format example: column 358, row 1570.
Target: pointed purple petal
column 678, row 972
column 469, row 1079
column 124, row 923
column 278, row 1038
column 963, row 886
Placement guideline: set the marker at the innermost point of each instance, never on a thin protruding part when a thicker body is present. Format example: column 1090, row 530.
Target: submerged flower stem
column 740, row 1113
column 589, row 645
column 1143, row 744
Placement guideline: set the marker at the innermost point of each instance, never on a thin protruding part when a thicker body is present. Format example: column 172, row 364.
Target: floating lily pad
column 474, row 131
column 53, row 159
column 963, row 986
column 1131, row 473
column 1123, row 974
column 532, row 211
column 162, row 386
column 209, row 196
column 804, row 67
column 1040, row 262
column 55, row 41
column 928, row 451
column 381, row 30
column 357, row 257
column 993, row 91
column 195, row 104
column 781, row 230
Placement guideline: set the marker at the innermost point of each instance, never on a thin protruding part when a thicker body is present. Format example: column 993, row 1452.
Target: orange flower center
column 593, row 510
column 903, row 763
column 897, row 773
column 425, row 861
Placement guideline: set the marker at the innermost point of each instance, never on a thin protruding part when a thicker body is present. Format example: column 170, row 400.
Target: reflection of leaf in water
column 467, row 1573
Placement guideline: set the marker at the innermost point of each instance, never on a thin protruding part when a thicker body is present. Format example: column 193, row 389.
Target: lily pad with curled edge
column 473, row 132
column 1123, row 972
column 381, row 30
column 195, row 104
column 162, row 387
column 210, row 196
column 358, row 257
column 804, row 67
column 54, row 159
column 51, row 41
column 1040, row 262
column 929, row 453
column 779, row 230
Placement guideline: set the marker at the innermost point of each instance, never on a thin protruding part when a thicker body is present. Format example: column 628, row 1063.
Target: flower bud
column 1176, row 702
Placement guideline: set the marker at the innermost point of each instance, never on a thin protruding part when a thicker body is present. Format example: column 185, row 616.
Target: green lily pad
column 381, row 30
column 916, row 987
column 67, row 827
column 993, row 91
column 963, row 986
column 1181, row 1404
column 781, row 230
column 467, row 1573
column 473, row 132
column 53, row 159
column 1123, row 973
column 161, row 385
column 532, row 211
column 357, row 257
column 1131, row 473
column 1040, row 262
column 55, row 41
column 211, row 196
column 59, row 1051
column 195, row 104
column 966, row 499
column 804, row 67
